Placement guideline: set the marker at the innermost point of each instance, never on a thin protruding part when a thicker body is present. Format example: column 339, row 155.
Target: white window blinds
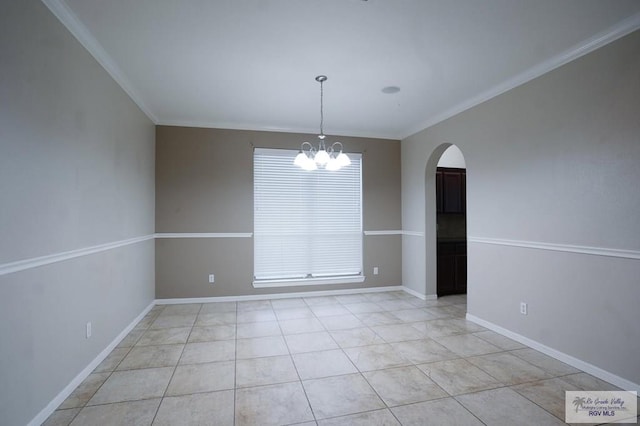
column 307, row 224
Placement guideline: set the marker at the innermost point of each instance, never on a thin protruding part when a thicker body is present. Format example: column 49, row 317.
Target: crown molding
column 263, row 128
column 621, row 29
column 69, row 19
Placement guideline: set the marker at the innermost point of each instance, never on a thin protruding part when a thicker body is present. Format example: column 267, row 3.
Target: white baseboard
column 560, row 356
column 419, row 295
column 59, row 399
column 277, row 295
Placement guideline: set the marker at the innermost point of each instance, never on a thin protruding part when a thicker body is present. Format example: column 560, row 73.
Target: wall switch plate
column 88, row 330
column 523, row 308
column 212, row 278
column 375, row 270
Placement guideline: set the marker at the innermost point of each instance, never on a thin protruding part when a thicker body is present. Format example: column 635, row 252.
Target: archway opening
column 445, row 222
column 451, row 223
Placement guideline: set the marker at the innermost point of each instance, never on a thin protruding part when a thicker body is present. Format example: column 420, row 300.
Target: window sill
column 308, row 281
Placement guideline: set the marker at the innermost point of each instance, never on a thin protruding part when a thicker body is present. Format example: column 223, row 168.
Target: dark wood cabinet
column 451, row 190
column 452, row 267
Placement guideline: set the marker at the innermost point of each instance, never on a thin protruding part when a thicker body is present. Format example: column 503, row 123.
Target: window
column 307, row 224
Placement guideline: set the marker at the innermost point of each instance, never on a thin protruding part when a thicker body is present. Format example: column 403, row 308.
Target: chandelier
column 332, row 158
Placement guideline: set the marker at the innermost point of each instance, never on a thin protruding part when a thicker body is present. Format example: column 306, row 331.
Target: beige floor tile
column 506, row 407
column 265, row 371
column 425, row 350
column 329, row 310
column 112, row 360
column 370, row 418
column 203, row 352
column 293, row 313
column 151, row 356
column 203, row 409
column 83, row 393
column 453, row 310
column 356, row 337
column 382, row 296
column 438, row 328
column 254, row 305
column 509, row 369
column 549, row 394
column 310, row 342
column 548, row 364
column 173, row 321
column 464, row 324
column 441, row 312
column 213, row 307
column 131, row 339
column 296, row 302
column 467, row 345
column 586, row 381
column 260, row 347
column 341, row 322
column 197, row 378
column 323, row 364
column 166, row 336
column 459, row 376
column 363, row 307
column 445, row 411
column 404, row 385
column 212, row 333
column 372, row 319
column 375, row 357
column 145, row 322
column 133, row 385
column 215, row 318
column 341, row 395
column 258, row 329
column 499, row 340
column 320, row 300
column 272, row 405
column 61, row 417
column 296, row 326
column 414, row 315
column 395, row 305
column 124, row 414
column 256, row 315
column 351, row 298
column 397, row 332
column 181, row 309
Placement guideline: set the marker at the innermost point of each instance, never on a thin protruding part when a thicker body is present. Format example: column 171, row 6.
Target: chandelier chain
column 321, row 107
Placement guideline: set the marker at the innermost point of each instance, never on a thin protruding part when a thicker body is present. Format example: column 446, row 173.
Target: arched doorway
column 445, row 221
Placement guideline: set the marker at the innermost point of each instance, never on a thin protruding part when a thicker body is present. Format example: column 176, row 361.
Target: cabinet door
column 452, row 192
column 446, row 269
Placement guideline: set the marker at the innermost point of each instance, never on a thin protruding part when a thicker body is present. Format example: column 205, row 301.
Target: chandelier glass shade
column 312, row 158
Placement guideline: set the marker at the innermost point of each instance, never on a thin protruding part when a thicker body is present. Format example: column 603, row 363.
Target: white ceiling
column 250, row 64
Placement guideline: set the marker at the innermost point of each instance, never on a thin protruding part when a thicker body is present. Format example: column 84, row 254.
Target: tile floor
column 363, row 359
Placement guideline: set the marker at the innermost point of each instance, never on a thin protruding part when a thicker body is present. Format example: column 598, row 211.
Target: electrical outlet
column 375, row 270
column 212, row 278
column 88, row 330
column 523, row 308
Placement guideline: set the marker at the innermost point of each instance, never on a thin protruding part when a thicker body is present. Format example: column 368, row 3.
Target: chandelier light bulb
column 327, row 159
column 343, row 159
column 322, row 157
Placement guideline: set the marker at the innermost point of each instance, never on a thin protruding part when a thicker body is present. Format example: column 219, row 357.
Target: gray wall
column 204, row 184
column 76, row 170
column 555, row 161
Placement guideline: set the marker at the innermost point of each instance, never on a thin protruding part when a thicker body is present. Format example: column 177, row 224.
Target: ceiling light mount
column 311, row 158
